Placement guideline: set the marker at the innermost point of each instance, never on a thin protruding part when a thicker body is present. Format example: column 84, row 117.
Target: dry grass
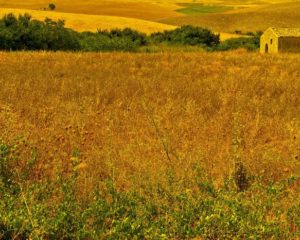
column 250, row 19
column 169, row 4
column 149, row 10
column 75, row 6
column 85, row 22
column 91, row 15
column 136, row 116
column 224, row 36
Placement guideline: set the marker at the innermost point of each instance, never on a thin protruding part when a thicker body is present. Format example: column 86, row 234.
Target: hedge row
column 24, row 33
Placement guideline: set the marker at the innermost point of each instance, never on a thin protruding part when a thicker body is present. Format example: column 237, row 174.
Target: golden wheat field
column 140, row 10
column 133, row 117
column 93, row 15
column 255, row 18
column 87, row 22
column 150, row 16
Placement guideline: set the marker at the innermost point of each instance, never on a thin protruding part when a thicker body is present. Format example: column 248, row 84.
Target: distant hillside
column 148, row 10
column 225, row 16
column 85, row 22
column 250, row 19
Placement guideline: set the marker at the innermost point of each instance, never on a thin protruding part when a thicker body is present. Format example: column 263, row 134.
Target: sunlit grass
column 199, row 9
column 105, row 105
column 255, row 18
column 86, row 22
column 118, row 144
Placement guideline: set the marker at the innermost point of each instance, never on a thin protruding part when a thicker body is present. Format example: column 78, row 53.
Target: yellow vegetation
column 148, row 10
column 246, row 16
column 135, row 116
column 249, row 19
column 85, row 22
column 89, row 5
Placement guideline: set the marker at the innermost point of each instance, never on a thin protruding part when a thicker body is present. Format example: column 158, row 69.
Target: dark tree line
column 25, row 33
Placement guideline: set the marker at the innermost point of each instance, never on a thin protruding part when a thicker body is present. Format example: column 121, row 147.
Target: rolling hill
column 141, row 10
column 87, row 22
column 225, row 16
column 249, row 19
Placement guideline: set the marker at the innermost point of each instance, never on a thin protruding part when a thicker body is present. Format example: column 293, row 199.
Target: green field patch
column 199, row 9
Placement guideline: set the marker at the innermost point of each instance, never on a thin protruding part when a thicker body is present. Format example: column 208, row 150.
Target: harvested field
column 86, row 22
column 250, row 19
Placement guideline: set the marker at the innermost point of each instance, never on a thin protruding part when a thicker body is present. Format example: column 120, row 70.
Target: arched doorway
column 266, row 48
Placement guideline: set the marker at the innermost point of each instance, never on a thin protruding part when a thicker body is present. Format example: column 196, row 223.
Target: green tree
column 187, row 35
column 51, row 6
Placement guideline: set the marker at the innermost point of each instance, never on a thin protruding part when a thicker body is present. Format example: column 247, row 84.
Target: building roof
column 286, row 32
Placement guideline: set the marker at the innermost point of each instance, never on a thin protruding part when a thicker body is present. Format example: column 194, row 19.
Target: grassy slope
column 199, row 9
column 133, row 9
column 92, row 15
column 85, row 22
column 72, row 5
column 256, row 16
column 251, row 19
column 88, row 22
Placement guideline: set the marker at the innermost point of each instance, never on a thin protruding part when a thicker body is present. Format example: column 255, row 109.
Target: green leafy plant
column 52, row 6
column 55, row 210
column 187, row 35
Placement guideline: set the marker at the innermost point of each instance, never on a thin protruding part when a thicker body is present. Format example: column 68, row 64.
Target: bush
column 114, row 40
column 187, row 35
column 51, row 6
column 250, row 43
column 7, row 174
column 129, row 34
column 23, row 33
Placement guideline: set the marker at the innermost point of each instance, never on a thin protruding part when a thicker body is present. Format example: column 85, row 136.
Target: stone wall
column 289, row 44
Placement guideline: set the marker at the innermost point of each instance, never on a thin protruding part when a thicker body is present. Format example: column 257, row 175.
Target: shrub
column 51, row 6
column 114, row 40
column 23, row 33
column 240, row 176
column 56, row 37
column 6, row 165
column 132, row 35
column 187, row 35
column 250, row 43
